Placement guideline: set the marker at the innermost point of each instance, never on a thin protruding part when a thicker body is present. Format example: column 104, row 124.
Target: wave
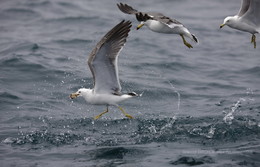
column 252, row 71
column 72, row 19
column 139, row 131
column 19, row 14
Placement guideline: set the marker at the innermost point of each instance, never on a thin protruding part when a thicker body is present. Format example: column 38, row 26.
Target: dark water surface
column 200, row 106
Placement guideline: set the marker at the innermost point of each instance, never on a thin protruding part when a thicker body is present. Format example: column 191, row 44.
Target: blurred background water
column 200, row 106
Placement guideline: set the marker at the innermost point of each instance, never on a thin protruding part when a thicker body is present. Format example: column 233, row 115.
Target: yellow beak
column 222, row 25
column 139, row 26
column 74, row 95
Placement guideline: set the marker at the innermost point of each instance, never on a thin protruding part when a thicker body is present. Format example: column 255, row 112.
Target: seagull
column 102, row 62
column 247, row 19
column 157, row 22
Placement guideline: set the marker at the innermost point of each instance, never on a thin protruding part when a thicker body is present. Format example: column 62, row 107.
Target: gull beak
column 139, row 26
column 222, row 25
column 74, row 95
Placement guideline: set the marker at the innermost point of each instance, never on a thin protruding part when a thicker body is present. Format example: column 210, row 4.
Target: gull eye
column 79, row 91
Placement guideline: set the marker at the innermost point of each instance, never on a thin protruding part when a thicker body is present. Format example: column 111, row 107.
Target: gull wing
column 130, row 10
column 143, row 16
column 140, row 16
column 244, row 7
column 102, row 60
column 168, row 21
column 126, row 8
column 252, row 15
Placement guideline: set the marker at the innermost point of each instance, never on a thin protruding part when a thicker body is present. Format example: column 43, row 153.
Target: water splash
column 178, row 94
column 175, row 91
column 168, row 125
column 229, row 117
column 211, row 132
column 156, row 130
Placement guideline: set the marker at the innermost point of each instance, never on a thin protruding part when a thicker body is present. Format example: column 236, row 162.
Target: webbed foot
column 188, row 45
column 127, row 115
column 253, row 40
column 98, row 116
column 185, row 42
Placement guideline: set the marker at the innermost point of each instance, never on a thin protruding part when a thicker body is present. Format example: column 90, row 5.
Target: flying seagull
column 247, row 19
column 157, row 22
column 102, row 62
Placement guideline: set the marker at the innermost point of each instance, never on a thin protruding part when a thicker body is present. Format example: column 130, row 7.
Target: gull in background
column 157, row 22
column 102, row 62
column 247, row 19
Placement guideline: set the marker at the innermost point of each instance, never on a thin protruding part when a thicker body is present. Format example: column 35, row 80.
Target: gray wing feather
column 252, row 15
column 167, row 20
column 126, row 8
column 244, row 7
column 102, row 60
column 140, row 16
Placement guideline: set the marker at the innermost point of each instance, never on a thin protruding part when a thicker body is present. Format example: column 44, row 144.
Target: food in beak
column 74, row 95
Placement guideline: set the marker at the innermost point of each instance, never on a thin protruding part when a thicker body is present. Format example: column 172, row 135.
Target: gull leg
column 127, row 115
column 253, row 40
column 185, row 42
column 98, row 116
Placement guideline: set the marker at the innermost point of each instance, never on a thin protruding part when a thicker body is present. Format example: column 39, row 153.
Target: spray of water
column 229, row 117
column 172, row 120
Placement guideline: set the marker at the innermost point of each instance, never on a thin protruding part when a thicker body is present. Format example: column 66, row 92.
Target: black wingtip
column 119, row 5
column 142, row 16
column 133, row 94
column 124, row 23
column 126, row 8
column 195, row 39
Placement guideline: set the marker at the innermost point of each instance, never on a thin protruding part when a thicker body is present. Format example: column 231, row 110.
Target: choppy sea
column 199, row 107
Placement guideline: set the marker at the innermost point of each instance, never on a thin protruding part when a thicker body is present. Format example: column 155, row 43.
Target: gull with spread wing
column 102, row 62
column 157, row 22
column 247, row 19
